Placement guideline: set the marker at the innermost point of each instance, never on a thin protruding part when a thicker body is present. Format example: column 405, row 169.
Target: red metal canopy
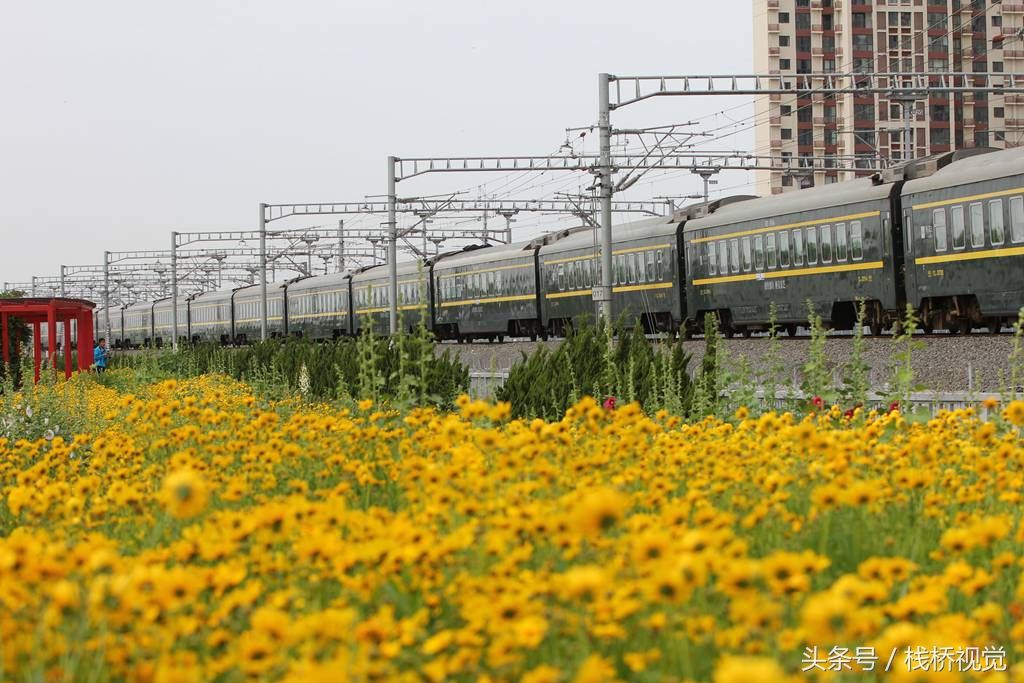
column 36, row 312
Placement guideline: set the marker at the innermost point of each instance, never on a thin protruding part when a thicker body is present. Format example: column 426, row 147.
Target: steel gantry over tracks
column 615, row 92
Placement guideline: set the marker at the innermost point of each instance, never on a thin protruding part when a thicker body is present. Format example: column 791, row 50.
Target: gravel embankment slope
column 941, row 364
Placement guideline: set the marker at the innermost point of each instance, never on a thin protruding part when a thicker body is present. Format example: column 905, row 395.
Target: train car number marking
column 938, row 272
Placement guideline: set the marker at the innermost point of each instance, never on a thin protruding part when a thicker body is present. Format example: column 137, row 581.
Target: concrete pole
column 392, row 250
column 63, row 289
column 603, row 294
column 341, row 246
column 33, row 285
column 263, row 272
column 174, row 291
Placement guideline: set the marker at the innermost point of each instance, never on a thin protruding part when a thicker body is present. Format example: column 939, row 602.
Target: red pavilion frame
column 39, row 311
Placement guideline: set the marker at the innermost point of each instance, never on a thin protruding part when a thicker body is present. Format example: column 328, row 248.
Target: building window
column 831, row 136
column 783, row 41
column 828, row 43
column 940, row 136
column 939, row 44
column 861, row 20
column 803, row 20
column 981, row 113
column 783, row 17
column 862, row 41
column 997, row 67
column 863, row 65
column 803, row 66
column 786, row 110
column 864, row 112
column 830, row 113
column 787, row 133
column 997, row 112
column 828, row 65
column 981, row 138
column 864, row 137
column 938, row 64
column 939, row 112
column 803, row 43
column 787, row 181
column 803, row 115
column 784, row 64
column 805, row 137
column 999, row 136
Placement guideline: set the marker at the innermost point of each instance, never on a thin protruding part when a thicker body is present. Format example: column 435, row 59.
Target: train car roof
column 976, row 168
column 489, row 254
column 380, row 272
column 271, row 286
column 214, row 295
column 660, row 226
column 821, row 198
column 139, row 304
column 319, row 281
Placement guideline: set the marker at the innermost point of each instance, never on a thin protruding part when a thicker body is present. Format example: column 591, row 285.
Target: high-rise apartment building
column 793, row 37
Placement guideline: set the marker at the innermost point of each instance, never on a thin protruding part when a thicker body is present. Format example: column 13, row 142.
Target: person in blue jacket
column 100, row 355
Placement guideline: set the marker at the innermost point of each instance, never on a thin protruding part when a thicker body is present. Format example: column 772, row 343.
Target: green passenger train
column 944, row 234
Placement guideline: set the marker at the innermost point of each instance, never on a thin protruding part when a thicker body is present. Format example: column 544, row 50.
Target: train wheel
column 964, row 326
column 501, row 339
column 747, row 332
column 926, row 326
column 995, row 325
column 875, row 325
column 791, row 330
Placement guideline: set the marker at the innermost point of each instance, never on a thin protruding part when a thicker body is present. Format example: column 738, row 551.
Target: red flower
column 848, row 413
column 818, row 402
column 609, row 403
column 894, row 407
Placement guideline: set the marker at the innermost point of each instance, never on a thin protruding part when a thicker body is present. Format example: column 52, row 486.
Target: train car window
column 977, row 225
column 747, row 262
column 1017, row 219
column 959, row 234
column 658, row 268
column 759, row 252
column 825, row 246
column 634, row 268
column 641, row 270
column 996, row 233
column 734, row 255
column 561, row 277
column 856, row 241
column 649, row 258
column 723, row 257
column 798, row 247
column 812, row 245
column 939, row 227
column 783, row 249
column 711, row 258
column 840, row 242
column 769, row 251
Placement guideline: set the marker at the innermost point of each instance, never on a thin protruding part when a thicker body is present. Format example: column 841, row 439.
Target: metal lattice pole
column 603, row 294
column 392, row 251
column 263, row 272
column 174, row 291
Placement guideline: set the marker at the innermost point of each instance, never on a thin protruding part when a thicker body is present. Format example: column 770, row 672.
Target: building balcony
column 1013, row 8
column 817, row 52
column 775, row 120
column 773, row 51
column 773, row 28
column 773, row 4
column 816, row 28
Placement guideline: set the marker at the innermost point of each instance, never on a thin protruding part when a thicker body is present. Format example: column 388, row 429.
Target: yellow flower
column 598, row 510
column 185, row 493
column 733, row 669
column 1014, row 413
column 365, row 404
column 595, row 669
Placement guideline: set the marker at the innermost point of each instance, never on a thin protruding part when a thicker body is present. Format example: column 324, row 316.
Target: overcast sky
column 120, row 121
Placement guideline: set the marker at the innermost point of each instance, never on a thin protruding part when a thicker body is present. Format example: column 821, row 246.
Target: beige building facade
column 793, row 37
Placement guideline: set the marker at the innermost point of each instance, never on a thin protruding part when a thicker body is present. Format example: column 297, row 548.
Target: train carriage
column 248, row 318
column 371, row 300
column 831, row 246
column 112, row 332
column 138, row 326
column 645, row 277
column 965, row 241
column 318, row 307
column 209, row 317
column 163, row 321
column 487, row 293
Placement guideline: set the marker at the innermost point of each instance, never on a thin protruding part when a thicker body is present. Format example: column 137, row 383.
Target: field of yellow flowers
column 198, row 533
